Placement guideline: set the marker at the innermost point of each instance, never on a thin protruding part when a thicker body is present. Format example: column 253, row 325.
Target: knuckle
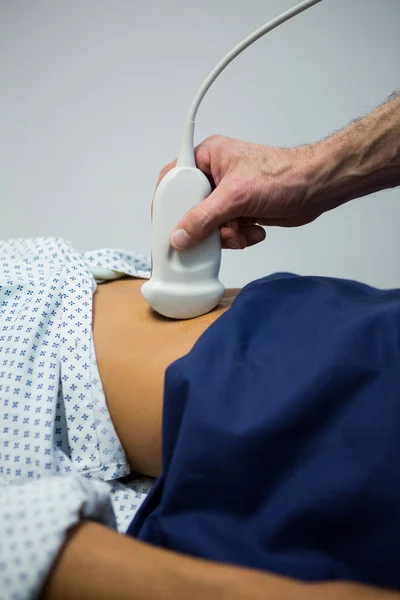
column 202, row 216
column 216, row 139
column 202, row 220
column 212, row 144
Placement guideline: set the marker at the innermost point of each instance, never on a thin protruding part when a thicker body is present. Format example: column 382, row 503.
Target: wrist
column 332, row 176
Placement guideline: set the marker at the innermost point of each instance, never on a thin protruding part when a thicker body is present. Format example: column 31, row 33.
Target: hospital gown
column 60, row 457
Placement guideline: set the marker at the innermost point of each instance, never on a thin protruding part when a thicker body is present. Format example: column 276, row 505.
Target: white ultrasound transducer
column 185, row 283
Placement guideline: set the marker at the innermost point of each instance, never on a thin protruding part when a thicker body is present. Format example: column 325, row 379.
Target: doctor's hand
column 256, row 185
column 253, row 186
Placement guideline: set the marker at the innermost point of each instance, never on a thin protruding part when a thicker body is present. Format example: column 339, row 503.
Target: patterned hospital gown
column 60, row 457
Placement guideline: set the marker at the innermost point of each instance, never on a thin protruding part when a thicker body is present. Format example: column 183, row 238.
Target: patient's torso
column 133, row 347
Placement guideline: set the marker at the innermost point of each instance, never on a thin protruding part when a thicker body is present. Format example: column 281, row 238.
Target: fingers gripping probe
column 184, row 283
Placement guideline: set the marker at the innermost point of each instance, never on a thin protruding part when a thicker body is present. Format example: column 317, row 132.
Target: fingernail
column 232, row 244
column 180, row 239
column 258, row 236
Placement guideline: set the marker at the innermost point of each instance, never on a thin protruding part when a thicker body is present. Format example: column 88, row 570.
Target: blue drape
column 281, row 435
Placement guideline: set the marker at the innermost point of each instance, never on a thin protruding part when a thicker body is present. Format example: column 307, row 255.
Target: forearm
column 97, row 563
column 359, row 160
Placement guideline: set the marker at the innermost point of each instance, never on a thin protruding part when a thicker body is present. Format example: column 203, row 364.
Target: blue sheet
column 281, row 435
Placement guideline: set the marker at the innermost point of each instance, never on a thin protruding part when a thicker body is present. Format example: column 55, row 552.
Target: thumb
column 204, row 218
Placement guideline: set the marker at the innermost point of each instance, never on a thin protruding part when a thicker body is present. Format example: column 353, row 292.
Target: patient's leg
column 133, row 347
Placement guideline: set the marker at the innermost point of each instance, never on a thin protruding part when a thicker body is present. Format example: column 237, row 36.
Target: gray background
column 93, row 95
